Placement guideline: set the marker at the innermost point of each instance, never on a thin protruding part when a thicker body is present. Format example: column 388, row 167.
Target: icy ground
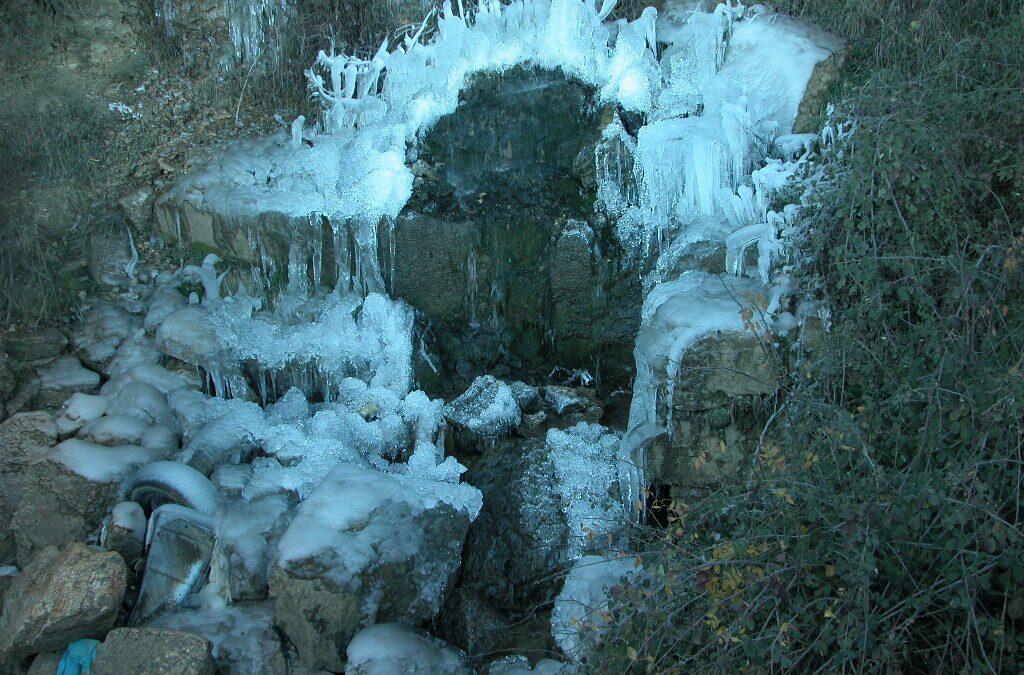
column 282, row 481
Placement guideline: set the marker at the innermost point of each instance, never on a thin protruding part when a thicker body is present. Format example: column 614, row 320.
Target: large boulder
column 367, row 547
column 60, row 597
column 141, row 651
column 546, row 503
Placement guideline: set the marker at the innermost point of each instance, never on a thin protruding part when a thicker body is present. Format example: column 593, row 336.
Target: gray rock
column 61, row 378
column 60, row 597
column 108, row 253
column 45, row 663
column 143, row 651
column 34, row 346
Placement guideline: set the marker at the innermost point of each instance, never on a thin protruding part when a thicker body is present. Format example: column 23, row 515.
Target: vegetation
column 880, row 526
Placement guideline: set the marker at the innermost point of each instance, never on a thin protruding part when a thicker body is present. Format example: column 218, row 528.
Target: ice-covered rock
column 61, row 378
column 389, row 648
column 79, row 410
column 367, row 547
column 188, row 335
column 546, row 503
column 115, row 430
column 144, row 402
column 247, row 535
column 125, row 532
column 60, row 597
column 230, row 438
column 243, row 636
column 578, row 609
column 136, row 651
column 166, row 301
column 576, row 404
column 138, row 349
column 99, row 334
column 484, row 413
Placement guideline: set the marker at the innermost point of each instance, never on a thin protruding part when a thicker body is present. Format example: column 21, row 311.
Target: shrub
column 880, row 526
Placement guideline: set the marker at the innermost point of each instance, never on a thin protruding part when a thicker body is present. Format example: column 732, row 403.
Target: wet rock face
column 499, row 247
column 61, row 597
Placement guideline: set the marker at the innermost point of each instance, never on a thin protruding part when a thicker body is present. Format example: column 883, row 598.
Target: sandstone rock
column 825, row 74
column 142, row 651
column 126, row 531
column 366, row 547
column 34, row 346
column 25, row 438
column 392, row 648
column 67, row 496
column 60, row 597
column 715, row 420
column 138, row 207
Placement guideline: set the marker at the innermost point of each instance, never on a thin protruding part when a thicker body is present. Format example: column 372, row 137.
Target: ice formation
column 308, row 439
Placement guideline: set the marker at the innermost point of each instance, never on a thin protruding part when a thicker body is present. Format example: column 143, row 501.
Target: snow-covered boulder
column 390, row 648
column 166, row 301
column 138, row 349
column 484, row 413
column 367, row 547
column 578, row 609
column 60, row 597
column 188, row 335
column 79, row 410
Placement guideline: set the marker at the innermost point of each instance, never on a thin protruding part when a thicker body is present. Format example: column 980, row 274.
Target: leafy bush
column 880, row 528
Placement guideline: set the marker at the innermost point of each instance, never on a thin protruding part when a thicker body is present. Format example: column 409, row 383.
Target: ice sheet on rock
column 585, row 458
column 115, row 430
column 583, row 598
column 165, row 301
column 162, row 379
column 246, row 533
column 388, row 648
column 65, row 373
column 332, row 521
column 99, row 463
column 243, row 635
column 675, row 315
column 136, row 350
column 231, row 479
column 102, row 330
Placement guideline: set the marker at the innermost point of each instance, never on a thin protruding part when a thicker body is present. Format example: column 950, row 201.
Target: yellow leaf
column 631, row 653
column 830, row 570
